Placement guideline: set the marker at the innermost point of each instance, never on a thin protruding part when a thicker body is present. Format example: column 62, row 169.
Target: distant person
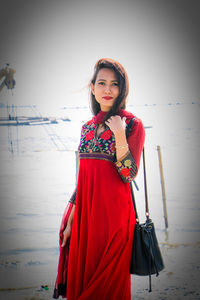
column 96, row 233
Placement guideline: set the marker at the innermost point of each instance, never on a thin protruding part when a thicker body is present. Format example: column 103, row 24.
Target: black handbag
column 146, row 256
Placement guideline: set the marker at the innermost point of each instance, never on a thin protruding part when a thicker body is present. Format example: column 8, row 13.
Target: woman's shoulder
column 89, row 123
column 137, row 129
column 129, row 116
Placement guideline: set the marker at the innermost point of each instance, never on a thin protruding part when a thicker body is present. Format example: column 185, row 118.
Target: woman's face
column 106, row 88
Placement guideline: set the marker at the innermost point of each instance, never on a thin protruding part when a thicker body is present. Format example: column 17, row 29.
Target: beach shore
column 179, row 279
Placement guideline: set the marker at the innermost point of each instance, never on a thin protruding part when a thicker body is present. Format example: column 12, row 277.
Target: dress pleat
column 102, row 234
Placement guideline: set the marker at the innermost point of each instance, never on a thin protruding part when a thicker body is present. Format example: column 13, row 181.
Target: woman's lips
column 107, row 98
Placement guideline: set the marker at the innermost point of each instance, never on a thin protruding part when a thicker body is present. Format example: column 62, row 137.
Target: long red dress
column 103, row 226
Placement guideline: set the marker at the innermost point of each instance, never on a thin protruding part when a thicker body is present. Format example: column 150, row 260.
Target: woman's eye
column 113, row 84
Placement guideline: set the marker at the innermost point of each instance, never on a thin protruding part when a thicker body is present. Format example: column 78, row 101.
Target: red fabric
column 98, row 119
column 61, row 280
column 102, row 235
column 136, row 136
column 136, row 140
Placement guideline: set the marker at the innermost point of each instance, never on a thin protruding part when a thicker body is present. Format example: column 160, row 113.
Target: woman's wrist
column 119, row 132
column 71, row 216
column 120, row 137
column 121, row 146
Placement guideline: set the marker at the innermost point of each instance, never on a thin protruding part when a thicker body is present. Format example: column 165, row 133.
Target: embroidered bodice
column 91, row 143
column 103, row 146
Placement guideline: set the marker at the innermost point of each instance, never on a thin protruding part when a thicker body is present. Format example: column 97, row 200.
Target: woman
column 101, row 208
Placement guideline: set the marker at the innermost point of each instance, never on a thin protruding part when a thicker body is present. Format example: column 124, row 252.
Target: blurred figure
column 8, row 81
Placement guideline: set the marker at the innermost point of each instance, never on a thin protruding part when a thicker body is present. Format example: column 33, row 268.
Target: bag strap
column 134, row 204
column 132, row 192
column 145, row 186
column 128, row 127
column 145, row 180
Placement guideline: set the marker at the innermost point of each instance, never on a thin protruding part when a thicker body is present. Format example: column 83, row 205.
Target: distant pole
column 163, row 187
column 10, row 142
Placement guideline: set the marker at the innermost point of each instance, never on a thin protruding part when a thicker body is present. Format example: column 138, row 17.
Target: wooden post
column 163, row 187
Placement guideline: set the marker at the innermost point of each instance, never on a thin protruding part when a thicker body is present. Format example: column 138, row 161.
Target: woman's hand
column 116, row 124
column 68, row 228
column 66, row 234
column 118, row 127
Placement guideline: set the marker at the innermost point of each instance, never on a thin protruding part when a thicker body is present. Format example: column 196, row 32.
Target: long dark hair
column 123, row 81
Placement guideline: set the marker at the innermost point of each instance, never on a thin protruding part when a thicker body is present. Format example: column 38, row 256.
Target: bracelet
column 121, row 146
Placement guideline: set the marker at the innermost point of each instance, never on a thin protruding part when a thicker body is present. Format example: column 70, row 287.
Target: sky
column 53, row 45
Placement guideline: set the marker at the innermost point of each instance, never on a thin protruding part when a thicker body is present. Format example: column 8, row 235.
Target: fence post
column 163, row 187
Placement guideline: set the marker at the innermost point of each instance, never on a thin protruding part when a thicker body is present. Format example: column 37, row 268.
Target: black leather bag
column 146, row 256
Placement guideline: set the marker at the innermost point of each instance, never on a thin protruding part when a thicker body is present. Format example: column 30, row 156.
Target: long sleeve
column 73, row 197
column 128, row 165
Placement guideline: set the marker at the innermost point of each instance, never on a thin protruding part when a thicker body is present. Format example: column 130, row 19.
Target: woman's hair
column 123, row 81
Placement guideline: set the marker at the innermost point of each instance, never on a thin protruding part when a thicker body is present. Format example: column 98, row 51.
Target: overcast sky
column 53, row 45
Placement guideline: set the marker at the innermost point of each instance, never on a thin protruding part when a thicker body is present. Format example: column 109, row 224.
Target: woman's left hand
column 116, row 124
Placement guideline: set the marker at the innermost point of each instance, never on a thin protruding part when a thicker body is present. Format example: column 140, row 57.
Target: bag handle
column 145, row 190
column 145, row 180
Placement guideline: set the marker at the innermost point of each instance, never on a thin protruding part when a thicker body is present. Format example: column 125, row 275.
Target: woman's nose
column 107, row 88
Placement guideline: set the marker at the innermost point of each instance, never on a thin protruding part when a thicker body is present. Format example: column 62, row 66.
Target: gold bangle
column 121, row 146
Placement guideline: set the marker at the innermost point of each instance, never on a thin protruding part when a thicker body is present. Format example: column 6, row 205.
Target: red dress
column 103, row 226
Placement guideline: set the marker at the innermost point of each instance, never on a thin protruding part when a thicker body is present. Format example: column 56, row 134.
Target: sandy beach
column 36, row 182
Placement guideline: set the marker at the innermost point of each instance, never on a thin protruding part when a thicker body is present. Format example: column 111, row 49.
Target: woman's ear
column 92, row 88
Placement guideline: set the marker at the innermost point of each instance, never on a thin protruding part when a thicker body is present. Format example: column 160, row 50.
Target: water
column 38, row 178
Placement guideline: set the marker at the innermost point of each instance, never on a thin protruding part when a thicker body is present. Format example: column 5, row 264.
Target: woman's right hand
column 66, row 234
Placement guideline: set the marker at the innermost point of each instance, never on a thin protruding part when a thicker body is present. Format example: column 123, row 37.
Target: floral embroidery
column 106, row 135
column 119, row 164
column 89, row 135
column 127, row 168
column 106, row 144
column 112, row 147
column 89, row 122
column 125, row 172
column 103, row 144
column 127, row 163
